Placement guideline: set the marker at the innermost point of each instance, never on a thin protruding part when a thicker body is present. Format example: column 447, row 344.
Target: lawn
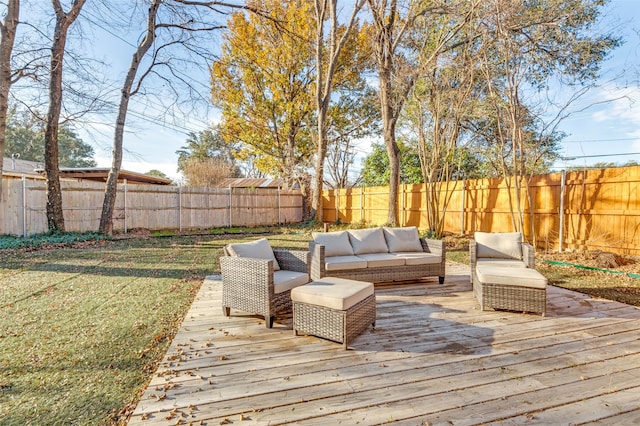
column 83, row 328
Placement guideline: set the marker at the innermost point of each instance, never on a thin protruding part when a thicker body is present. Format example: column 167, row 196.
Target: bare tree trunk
column 55, row 217
column 8, row 36
column 324, row 82
column 106, row 219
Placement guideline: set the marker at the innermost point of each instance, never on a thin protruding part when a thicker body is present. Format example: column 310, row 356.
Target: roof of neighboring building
column 101, row 175
column 17, row 166
column 251, row 183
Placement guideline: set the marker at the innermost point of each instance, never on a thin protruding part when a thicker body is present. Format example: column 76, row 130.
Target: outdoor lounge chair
column 259, row 280
column 503, row 273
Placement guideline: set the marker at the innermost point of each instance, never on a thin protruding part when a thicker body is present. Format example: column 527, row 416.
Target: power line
column 602, row 140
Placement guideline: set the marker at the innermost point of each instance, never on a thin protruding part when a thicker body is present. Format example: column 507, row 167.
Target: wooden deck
column 434, row 358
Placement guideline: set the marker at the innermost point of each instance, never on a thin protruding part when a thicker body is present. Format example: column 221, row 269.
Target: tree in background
column 327, row 55
column 55, row 217
column 376, row 170
column 207, row 172
column 157, row 173
column 207, row 159
column 25, row 137
column 524, row 47
column 399, row 63
column 8, row 28
column 208, row 144
column 263, row 82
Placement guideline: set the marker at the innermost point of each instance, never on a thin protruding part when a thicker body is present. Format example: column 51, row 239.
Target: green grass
column 82, row 328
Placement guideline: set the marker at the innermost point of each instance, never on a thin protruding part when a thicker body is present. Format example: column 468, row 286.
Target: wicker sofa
column 376, row 255
column 259, row 280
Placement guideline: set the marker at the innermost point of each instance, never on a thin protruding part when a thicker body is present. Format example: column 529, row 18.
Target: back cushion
column 256, row 250
column 403, row 239
column 499, row 245
column 368, row 241
column 335, row 243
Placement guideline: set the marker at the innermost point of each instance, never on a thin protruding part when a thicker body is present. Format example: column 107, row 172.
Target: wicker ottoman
column 334, row 308
column 510, row 288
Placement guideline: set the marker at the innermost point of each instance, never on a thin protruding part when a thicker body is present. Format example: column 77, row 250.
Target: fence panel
column 154, row 207
column 601, row 208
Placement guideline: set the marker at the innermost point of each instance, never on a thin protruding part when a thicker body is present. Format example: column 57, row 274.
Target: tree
column 398, row 64
column 326, row 65
column 25, row 137
column 524, row 47
column 263, row 82
column 55, row 218
column 157, row 173
column 8, row 28
column 376, row 170
column 178, row 34
column 207, row 144
column 207, row 172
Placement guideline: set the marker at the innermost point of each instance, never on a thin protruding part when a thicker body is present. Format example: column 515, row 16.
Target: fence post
column 464, row 196
column 24, row 206
column 125, row 205
column 361, row 203
column 561, row 213
column 180, row 208
column 278, row 201
column 230, row 222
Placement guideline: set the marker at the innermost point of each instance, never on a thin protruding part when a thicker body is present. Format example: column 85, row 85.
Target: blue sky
column 594, row 133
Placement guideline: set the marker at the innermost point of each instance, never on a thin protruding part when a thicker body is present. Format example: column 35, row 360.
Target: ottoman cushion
column 516, row 277
column 334, row 293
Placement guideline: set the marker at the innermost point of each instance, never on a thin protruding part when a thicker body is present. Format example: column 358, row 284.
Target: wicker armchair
column 251, row 284
column 503, row 273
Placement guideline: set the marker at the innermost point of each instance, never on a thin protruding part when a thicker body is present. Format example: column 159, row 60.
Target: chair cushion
column 414, row 258
column 516, row 277
column 286, row 280
column 500, row 245
column 335, row 243
column 369, row 240
column 381, row 259
column 259, row 249
column 403, row 239
column 340, row 263
column 333, row 293
column 507, row 263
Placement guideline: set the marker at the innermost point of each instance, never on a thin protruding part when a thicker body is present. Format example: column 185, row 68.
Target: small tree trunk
column 108, row 205
column 55, row 217
column 7, row 39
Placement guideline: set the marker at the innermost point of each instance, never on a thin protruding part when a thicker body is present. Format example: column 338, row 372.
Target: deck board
column 434, row 358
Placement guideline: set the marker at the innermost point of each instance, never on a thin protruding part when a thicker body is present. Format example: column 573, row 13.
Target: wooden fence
column 154, row 207
column 590, row 209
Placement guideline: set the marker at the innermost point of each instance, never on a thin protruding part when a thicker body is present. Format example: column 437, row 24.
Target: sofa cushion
column 286, row 280
column 507, row 263
column 259, row 249
column 500, row 245
column 381, row 260
column 334, row 293
column 340, row 263
column 369, row 240
column 335, row 243
column 413, row 258
column 517, row 277
column 403, row 239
